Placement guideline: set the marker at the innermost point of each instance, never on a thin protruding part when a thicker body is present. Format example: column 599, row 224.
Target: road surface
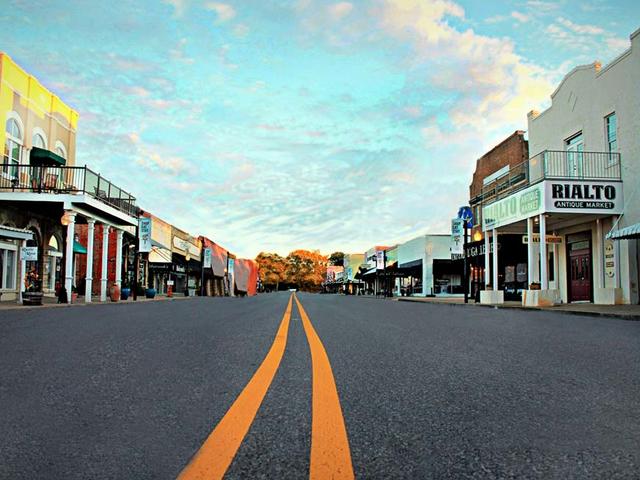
column 385, row 389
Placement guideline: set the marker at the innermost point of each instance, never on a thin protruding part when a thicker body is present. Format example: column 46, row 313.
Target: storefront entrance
column 580, row 271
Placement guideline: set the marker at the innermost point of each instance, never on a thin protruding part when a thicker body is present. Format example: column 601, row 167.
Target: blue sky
column 275, row 125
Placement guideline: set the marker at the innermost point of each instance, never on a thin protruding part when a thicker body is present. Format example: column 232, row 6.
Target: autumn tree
column 306, row 269
column 271, row 267
column 336, row 258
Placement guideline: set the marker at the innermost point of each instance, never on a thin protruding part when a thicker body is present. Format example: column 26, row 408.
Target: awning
column 78, row 248
column 16, row 233
column 158, row 245
column 630, row 232
column 40, row 156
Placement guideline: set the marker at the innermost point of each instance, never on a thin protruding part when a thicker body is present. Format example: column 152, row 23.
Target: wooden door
column 580, row 275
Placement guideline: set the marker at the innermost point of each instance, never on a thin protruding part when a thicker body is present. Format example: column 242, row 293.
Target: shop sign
column 179, row 268
column 380, row 259
column 29, row 254
column 206, row 260
column 144, row 235
column 514, row 208
column 536, row 238
column 457, row 236
column 589, row 196
column 169, row 283
column 609, row 259
column 476, row 250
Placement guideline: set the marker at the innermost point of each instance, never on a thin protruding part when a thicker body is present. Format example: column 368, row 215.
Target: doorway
column 580, row 272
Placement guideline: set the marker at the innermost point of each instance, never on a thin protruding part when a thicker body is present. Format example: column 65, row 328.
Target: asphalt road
column 427, row 391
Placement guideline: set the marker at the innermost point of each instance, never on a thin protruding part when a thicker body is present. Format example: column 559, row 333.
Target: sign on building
column 380, row 260
column 457, row 236
column 207, row 256
column 29, row 254
column 535, row 238
column 144, row 235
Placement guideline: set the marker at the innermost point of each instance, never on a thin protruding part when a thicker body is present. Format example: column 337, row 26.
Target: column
column 119, row 234
column 599, row 254
column 425, row 259
column 68, row 257
column 91, row 223
column 495, row 259
column 23, row 273
column 105, row 253
column 544, row 278
column 530, row 264
column 487, row 250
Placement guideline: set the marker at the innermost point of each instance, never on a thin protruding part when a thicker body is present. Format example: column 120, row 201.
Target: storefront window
column 7, row 267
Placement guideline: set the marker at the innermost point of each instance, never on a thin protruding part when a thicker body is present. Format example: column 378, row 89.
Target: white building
column 569, row 195
column 419, row 258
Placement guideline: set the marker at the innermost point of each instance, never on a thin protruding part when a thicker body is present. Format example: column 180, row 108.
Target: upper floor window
column 575, row 147
column 60, row 150
column 12, row 147
column 611, row 127
column 38, row 141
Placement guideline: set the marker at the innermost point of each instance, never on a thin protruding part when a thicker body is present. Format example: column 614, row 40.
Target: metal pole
column 466, row 267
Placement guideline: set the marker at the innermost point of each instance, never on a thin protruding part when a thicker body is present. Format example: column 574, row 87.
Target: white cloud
column 340, row 10
column 580, row 28
column 179, row 6
column 521, row 17
column 224, row 11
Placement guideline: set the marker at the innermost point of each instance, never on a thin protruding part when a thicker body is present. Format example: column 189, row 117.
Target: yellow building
column 33, row 116
column 44, row 195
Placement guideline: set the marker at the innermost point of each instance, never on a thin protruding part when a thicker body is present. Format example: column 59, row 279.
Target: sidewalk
column 627, row 312
column 52, row 302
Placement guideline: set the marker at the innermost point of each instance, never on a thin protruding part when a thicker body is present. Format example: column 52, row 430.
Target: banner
column 144, row 235
column 206, row 258
column 457, row 236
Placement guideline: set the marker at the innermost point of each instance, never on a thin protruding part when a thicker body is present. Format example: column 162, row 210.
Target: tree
column 271, row 267
column 337, row 259
column 306, row 269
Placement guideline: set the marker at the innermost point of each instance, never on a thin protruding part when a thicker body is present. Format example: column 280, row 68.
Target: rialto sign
column 554, row 196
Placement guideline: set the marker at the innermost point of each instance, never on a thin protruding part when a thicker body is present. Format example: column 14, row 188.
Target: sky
column 276, row 125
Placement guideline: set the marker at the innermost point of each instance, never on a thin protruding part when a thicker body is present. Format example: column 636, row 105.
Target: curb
column 91, row 304
column 621, row 316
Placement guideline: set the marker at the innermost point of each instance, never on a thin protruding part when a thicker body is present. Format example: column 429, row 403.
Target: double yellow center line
column 330, row 453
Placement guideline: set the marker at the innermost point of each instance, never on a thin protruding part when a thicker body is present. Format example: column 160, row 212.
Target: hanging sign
column 536, row 238
column 206, row 258
column 609, row 259
column 144, row 235
column 29, row 254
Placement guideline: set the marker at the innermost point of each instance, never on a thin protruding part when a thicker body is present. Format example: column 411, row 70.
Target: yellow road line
column 330, row 453
column 219, row 449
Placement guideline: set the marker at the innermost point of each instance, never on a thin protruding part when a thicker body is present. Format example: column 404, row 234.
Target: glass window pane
column 10, row 269
column 38, row 141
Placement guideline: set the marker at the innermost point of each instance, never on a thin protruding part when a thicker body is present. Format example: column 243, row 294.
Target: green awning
column 78, row 248
column 40, row 156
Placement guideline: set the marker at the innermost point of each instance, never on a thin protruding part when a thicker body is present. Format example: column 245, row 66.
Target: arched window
column 38, row 141
column 60, row 149
column 12, row 147
column 53, row 244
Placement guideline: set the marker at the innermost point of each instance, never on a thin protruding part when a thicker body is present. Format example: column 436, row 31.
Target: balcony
column 65, row 180
column 552, row 165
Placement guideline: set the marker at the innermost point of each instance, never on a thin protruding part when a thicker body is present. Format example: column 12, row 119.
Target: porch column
column 68, row 257
column 599, row 254
column 495, row 260
column 544, row 278
column 91, row 223
column 530, row 266
column 119, row 234
column 105, row 253
column 487, row 250
column 22, row 273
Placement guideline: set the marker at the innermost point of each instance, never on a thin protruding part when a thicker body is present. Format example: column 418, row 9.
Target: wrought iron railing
column 63, row 179
column 553, row 164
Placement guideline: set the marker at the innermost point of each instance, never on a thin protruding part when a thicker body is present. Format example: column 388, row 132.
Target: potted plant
column 150, row 292
column 33, row 292
column 125, row 291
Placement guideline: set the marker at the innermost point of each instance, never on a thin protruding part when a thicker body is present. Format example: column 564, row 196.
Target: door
column 580, row 275
column 575, row 149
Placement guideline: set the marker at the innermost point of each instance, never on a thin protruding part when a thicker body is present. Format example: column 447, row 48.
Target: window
column 575, row 149
column 60, row 149
column 611, row 132
column 38, row 141
column 12, row 148
column 7, row 266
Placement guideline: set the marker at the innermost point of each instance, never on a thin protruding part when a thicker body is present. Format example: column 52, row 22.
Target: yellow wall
column 37, row 107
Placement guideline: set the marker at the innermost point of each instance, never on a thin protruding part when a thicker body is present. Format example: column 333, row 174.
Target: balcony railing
column 62, row 179
column 553, row 164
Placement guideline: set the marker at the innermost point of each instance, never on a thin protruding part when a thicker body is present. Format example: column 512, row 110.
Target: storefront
column 11, row 270
column 186, row 261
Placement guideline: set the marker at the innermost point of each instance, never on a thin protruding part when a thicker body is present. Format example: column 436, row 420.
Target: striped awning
column 632, row 231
